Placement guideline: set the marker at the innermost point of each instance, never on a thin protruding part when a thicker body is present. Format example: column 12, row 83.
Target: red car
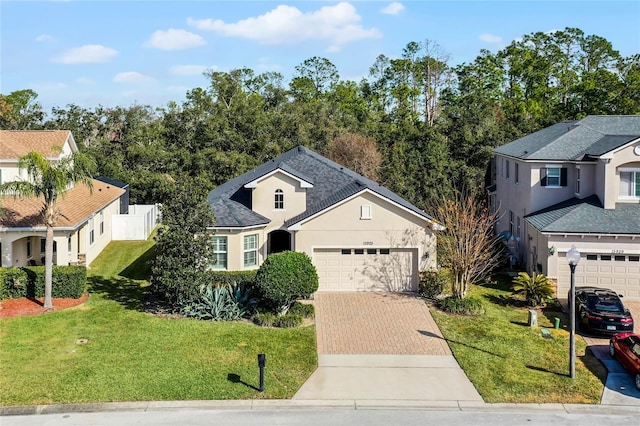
column 625, row 347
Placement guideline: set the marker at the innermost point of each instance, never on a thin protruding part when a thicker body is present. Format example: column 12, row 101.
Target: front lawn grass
column 131, row 355
column 508, row 361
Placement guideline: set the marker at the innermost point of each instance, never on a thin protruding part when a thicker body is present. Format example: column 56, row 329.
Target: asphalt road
column 312, row 416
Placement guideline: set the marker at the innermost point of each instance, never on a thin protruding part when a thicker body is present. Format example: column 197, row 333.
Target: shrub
column 220, row 303
column 289, row 321
column 536, row 288
column 13, row 283
column 305, row 310
column 464, row 306
column 265, row 319
column 284, row 277
column 67, row 281
column 432, row 283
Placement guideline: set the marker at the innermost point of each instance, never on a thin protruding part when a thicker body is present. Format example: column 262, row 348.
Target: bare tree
column 356, row 152
column 467, row 242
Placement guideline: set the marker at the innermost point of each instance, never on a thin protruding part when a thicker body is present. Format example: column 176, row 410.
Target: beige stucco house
column 83, row 228
column 574, row 183
column 359, row 235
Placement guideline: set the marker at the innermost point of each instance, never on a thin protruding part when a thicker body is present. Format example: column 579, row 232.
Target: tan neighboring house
column 359, row 235
column 83, row 228
column 574, row 183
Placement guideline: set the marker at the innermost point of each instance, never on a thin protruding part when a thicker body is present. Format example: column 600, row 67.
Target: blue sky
column 150, row 52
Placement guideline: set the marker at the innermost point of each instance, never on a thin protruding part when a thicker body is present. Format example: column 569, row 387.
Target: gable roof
column 75, row 205
column 576, row 140
column 587, row 216
column 17, row 143
column 332, row 183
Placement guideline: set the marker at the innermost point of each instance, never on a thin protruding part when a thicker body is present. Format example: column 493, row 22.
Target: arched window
column 279, row 199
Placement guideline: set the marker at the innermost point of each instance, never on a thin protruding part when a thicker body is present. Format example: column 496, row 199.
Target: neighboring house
column 574, row 183
column 359, row 235
column 83, row 227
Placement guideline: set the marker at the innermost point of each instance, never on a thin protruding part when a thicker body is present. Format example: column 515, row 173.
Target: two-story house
column 359, row 235
column 574, row 183
column 83, row 227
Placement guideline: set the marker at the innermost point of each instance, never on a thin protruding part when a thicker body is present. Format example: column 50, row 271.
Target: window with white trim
column 101, row 222
column 279, row 199
column 92, row 235
column 365, row 212
column 219, row 253
column 577, row 180
column 553, row 177
column 507, row 170
column 630, row 184
column 250, row 251
column 517, row 173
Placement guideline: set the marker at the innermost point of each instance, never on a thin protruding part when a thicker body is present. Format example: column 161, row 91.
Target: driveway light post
column 262, row 361
column 573, row 256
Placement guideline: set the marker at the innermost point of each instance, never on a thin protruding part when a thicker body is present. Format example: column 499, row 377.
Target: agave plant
column 220, row 303
column 535, row 288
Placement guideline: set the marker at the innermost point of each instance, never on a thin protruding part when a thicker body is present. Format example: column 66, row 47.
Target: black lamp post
column 573, row 256
column 262, row 362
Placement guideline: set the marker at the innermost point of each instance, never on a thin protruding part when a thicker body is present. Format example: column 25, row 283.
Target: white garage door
column 619, row 272
column 367, row 269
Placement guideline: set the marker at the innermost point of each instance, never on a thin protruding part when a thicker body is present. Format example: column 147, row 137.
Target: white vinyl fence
column 137, row 225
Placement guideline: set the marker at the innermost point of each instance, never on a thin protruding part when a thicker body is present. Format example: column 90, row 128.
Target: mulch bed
column 31, row 306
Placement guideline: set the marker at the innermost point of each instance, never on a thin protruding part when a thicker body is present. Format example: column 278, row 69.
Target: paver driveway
column 376, row 323
column 382, row 348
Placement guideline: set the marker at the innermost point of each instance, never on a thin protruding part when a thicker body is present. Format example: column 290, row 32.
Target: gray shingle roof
column 231, row 202
column 587, row 216
column 592, row 136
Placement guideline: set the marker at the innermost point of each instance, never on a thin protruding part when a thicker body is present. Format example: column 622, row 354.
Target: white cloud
column 490, row 38
column 393, row 9
column 90, row 53
column 131, row 77
column 339, row 24
column 187, row 69
column 173, row 39
column 44, row 37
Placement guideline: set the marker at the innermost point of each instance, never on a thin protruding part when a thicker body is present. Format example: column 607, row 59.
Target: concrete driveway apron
column 382, row 348
column 619, row 389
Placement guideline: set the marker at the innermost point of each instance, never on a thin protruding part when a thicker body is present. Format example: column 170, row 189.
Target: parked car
column 600, row 310
column 625, row 347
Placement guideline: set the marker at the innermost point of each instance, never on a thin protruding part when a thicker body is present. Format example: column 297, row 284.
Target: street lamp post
column 573, row 256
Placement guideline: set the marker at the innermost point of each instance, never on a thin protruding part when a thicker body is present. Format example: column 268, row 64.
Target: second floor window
column 577, row 181
column 279, row 199
column 517, row 172
column 630, row 184
column 553, row 177
column 507, row 170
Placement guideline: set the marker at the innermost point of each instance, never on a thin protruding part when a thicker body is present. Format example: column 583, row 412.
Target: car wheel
column 637, row 381
column 612, row 350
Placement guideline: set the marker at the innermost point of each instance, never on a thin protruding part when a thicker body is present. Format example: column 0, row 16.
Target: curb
column 263, row 404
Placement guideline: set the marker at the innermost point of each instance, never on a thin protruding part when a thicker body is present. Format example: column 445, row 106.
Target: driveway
column 619, row 388
column 382, row 347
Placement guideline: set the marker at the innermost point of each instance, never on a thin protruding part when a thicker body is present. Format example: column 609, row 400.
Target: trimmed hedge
column 13, row 283
column 218, row 278
column 432, row 283
column 28, row 281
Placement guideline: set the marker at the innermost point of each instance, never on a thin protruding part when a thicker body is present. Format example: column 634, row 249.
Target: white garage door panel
column 395, row 271
column 621, row 276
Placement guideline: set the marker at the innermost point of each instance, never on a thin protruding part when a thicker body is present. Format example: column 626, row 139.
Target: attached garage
column 619, row 272
column 367, row 269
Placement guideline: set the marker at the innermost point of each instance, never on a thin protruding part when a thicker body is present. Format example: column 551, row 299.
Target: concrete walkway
column 382, row 347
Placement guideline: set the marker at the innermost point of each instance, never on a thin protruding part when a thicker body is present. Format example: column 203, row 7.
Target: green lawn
column 508, row 361
column 134, row 356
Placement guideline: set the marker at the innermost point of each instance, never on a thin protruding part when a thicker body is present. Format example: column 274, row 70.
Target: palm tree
column 49, row 179
column 536, row 288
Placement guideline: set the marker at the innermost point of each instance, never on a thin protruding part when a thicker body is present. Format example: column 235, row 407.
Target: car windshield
column 606, row 304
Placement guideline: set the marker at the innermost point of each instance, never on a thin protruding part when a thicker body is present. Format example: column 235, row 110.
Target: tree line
column 416, row 124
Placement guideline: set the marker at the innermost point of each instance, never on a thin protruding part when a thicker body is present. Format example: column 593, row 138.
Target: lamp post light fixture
column 573, row 257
